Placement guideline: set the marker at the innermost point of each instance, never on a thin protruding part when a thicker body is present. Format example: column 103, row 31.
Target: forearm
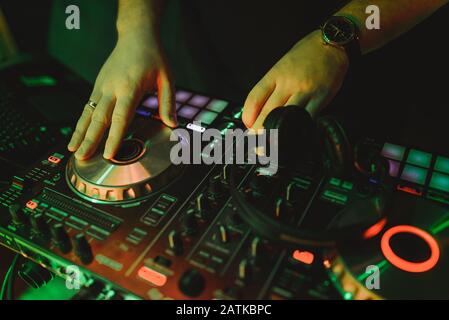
column 139, row 15
column 396, row 17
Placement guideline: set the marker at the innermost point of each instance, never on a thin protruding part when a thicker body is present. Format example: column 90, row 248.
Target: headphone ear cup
column 296, row 133
column 335, row 145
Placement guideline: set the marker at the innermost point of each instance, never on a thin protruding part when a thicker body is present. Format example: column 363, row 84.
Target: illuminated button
column 188, row 112
column 305, row 257
column 54, row 159
column 151, row 102
column 393, row 151
column 143, row 112
column 419, row 158
column 217, row 105
column 199, row 101
column 156, row 278
column 347, row 185
column 31, row 205
column 414, row 174
column 335, row 182
column 442, row 164
column 440, row 182
column 182, row 96
column 394, row 168
column 206, row 116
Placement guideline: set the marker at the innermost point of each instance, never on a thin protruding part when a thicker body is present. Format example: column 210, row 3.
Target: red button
column 31, row 205
column 54, row 159
column 152, row 276
column 305, row 257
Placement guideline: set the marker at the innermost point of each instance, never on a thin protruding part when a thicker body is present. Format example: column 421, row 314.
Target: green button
column 393, row 151
column 336, row 196
column 442, row 164
column 414, row 174
column 335, row 182
column 347, row 185
column 440, row 181
column 206, row 116
column 419, row 158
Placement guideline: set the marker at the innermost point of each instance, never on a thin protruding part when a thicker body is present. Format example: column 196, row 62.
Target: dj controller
column 140, row 227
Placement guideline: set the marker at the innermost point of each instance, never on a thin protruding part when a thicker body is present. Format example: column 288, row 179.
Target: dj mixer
column 140, row 227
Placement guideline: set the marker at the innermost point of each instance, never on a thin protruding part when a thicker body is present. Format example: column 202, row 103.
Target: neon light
column 403, row 264
column 152, row 276
column 305, row 257
column 375, row 229
column 409, row 190
column 419, row 158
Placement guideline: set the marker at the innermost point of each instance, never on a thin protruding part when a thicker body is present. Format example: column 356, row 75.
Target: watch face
column 339, row 31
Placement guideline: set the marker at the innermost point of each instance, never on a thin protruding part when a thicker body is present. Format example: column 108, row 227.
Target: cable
column 7, row 276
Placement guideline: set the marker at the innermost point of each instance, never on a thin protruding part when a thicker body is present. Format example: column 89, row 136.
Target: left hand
column 309, row 76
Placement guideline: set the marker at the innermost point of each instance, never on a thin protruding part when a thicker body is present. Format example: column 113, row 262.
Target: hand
column 309, row 76
column 136, row 65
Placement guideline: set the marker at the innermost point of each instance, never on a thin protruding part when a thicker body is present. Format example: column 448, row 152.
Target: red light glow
column 152, row 276
column 305, row 257
column 405, row 265
column 375, row 229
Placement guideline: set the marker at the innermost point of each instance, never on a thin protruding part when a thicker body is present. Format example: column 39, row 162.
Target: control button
column 419, row 158
column 34, row 275
column 175, row 243
column 206, row 117
column 414, row 174
column 202, row 206
column 442, row 164
column 151, row 102
column 54, row 159
column 223, row 234
column 61, row 237
column 335, row 182
column 440, row 182
column 17, row 215
column 347, row 185
column 82, row 248
column 188, row 112
column 182, row 96
column 305, row 257
column 393, row 151
column 192, row 283
column 190, row 224
column 31, row 205
column 217, row 105
column 39, row 225
column 152, row 276
column 199, row 101
column 244, row 272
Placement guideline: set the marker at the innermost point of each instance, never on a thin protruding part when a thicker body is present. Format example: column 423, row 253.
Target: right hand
column 137, row 65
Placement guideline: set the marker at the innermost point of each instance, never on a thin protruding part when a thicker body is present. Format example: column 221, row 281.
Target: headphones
column 326, row 139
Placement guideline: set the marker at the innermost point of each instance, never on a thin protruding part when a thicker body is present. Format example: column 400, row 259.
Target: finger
column 276, row 100
column 256, row 100
column 83, row 123
column 299, row 99
column 121, row 118
column 167, row 109
column 315, row 105
column 100, row 121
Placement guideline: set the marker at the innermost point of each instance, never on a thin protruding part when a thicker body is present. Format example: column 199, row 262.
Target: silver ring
column 92, row 104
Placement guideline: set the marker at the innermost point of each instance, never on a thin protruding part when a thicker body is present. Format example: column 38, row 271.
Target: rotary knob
column 190, row 224
column 82, row 248
column 61, row 237
column 192, row 283
column 39, row 225
column 17, row 215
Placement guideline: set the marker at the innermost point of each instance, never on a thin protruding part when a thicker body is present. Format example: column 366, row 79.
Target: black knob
column 61, row 237
column 216, row 188
column 202, row 206
column 39, row 225
column 175, row 243
column 235, row 218
column 190, row 224
column 17, row 215
column 192, row 283
column 34, row 275
column 82, row 248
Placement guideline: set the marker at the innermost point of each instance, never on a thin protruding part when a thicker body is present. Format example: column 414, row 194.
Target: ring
column 92, row 104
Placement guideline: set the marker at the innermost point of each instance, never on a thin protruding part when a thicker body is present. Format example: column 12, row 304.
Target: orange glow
column 54, row 159
column 409, row 190
column 31, row 205
column 375, row 229
column 404, row 264
column 303, row 256
column 152, row 276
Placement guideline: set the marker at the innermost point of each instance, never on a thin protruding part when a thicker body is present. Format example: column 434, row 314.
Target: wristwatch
column 342, row 32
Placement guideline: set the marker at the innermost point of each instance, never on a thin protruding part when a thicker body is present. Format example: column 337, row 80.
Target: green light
column 347, row 296
column 43, row 128
column 65, row 131
column 440, row 181
column 38, row 81
column 206, row 116
column 393, row 151
column 414, row 174
column 419, row 158
column 442, row 164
